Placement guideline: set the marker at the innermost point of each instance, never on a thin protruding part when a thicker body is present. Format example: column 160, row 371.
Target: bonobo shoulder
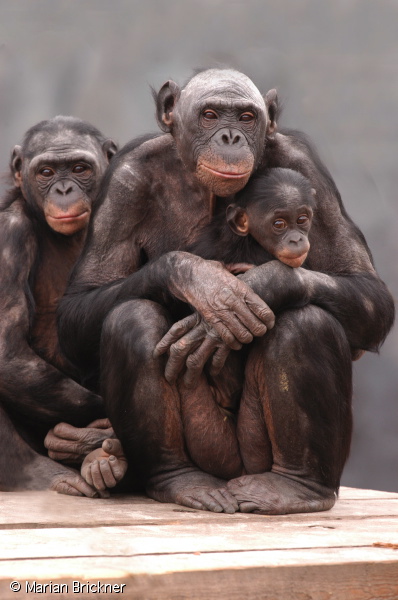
column 131, row 167
column 13, row 217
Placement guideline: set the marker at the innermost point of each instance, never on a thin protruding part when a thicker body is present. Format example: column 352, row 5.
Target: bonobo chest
column 181, row 207
column 57, row 256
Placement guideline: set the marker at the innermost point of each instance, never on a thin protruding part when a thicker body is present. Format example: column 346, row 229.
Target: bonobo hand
column 71, row 444
column 190, row 343
column 225, row 303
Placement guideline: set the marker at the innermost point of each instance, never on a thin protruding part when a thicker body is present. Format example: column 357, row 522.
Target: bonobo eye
column 302, row 220
column 279, row 224
column 246, row 117
column 79, row 168
column 46, row 172
column 209, row 115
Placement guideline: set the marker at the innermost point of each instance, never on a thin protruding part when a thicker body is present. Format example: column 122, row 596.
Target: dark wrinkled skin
column 288, row 385
column 43, row 221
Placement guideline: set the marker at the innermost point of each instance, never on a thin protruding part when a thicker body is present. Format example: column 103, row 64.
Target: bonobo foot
column 42, row 473
column 194, row 489
column 274, row 494
column 104, row 467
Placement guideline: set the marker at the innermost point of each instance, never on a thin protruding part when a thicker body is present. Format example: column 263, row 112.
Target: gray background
column 335, row 65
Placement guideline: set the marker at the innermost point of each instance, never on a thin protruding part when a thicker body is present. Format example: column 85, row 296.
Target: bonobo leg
column 21, row 468
column 145, row 410
column 301, row 373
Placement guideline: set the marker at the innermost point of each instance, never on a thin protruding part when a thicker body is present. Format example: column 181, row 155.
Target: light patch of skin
column 283, row 381
column 228, row 83
column 368, row 304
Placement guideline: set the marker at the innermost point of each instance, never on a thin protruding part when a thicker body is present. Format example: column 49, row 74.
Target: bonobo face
column 219, row 122
column 59, row 174
column 282, row 228
column 280, row 224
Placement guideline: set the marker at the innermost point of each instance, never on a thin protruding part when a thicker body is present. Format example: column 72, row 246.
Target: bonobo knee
column 310, row 330
column 138, row 325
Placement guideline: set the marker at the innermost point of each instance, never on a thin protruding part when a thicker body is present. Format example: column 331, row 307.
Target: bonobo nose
column 228, row 137
column 63, row 188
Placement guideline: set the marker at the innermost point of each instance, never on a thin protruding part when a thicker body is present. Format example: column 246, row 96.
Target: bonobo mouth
column 293, row 261
column 227, row 174
column 68, row 217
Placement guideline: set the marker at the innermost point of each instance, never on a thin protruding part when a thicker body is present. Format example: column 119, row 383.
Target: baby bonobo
column 270, row 218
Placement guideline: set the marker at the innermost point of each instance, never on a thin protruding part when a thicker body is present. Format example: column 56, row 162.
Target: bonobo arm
column 109, row 272
column 29, row 384
column 361, row 302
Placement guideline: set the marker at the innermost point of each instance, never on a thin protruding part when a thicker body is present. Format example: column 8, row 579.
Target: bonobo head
column 59, row 168
column 219, row 122
column 276, row 208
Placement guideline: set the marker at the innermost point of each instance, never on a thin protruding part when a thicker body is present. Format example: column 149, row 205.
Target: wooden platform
column 152, row 551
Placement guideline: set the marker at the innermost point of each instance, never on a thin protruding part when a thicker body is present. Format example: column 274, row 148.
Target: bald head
column 219, row 121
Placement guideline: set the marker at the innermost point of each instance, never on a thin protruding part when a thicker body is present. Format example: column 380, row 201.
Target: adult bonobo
column 43, row 223
column 290, row 387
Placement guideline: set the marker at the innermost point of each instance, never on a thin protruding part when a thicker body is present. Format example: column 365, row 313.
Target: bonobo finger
column 100, row 424
column 224, row 327
column 68, row 432
column 177, row 331
column 260, row 309
column 96, row 475
column 118, row 466
column 74, row 485
column 197, row 360
column 218, row 360
column 112, row 446
column 226, row 500
column 179, row 352
column 242, row 317
column 107, row 473
column 65, row 456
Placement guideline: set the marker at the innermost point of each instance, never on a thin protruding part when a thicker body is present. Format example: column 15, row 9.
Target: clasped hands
column 228, row 313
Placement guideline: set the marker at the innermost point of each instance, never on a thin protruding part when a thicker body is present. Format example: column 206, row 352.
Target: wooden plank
column 341, row 574
column 180, row 537
column 166, row 552
column 48, row 509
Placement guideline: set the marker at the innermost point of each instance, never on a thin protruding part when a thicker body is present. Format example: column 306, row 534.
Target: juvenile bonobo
column 43, row 223
column 290, row 387
column 270, row 218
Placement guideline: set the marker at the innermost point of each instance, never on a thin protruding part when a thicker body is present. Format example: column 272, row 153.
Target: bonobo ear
column 16, row 165
column 271, row 102
column 165, row 102
column 238, row 219
column 109, row 148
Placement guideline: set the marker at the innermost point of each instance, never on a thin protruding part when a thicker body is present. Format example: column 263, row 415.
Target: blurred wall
column 335, row 65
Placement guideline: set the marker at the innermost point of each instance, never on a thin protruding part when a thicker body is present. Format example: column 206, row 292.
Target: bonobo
column 270, row 218
column 290, row 385
column 43, row 221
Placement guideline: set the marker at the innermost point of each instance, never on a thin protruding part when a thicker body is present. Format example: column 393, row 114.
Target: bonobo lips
column 226, row 174
column 68, row 217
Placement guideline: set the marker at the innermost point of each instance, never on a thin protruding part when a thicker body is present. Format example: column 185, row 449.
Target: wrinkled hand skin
column 70, row 444
column 224, row 306
column 105, row 467
column 227, row 304
column 189, row 344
